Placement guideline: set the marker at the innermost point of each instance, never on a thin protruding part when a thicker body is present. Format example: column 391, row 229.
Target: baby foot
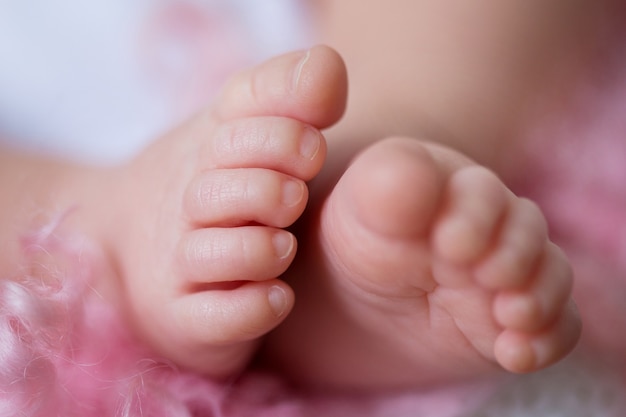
column 207, row 205
column 423, row 268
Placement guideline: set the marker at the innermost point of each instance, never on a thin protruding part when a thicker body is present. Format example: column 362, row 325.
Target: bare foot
column 420, row 268
column 205, row 207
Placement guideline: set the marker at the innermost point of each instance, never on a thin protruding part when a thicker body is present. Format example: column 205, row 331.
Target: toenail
column 523, row 358
column 310, row 143
column 283, row 244
column 297, row 73
column 278, row 300
column 293, row 193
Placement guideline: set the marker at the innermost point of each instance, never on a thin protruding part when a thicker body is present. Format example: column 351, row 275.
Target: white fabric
column 96, row 80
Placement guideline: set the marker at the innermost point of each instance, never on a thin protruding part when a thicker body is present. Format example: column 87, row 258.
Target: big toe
column 381, row 211
column 310, row 86
column 393, row 188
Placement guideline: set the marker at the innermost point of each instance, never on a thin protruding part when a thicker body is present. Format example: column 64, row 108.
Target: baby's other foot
column 200, row 242
column 423, row 268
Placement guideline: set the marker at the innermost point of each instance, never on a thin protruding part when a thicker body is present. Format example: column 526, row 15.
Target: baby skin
column 418, row 267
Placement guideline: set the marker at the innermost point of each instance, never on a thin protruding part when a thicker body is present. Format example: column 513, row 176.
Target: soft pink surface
column 578, row 176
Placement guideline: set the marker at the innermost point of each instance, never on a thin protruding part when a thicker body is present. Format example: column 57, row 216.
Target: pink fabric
column 578, row 177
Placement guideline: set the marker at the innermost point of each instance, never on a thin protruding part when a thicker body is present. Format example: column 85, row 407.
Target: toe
column 475, row 203
column 310, row 86
column 532, row 308
column 523, row 352
column 393, row 188
column 210, row 257
column 376, row 220
column 517, row 249
column 218, row 329
column 236, row 197
column 237, row 315
column 278, row 143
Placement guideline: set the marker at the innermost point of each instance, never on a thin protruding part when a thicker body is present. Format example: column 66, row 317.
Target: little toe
column 236, row 197
column 518, row 248
column 210, row 257
column 474, row 206
column 310, row 86
column 521, row 352
column 533, row 307
column 219, row 329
